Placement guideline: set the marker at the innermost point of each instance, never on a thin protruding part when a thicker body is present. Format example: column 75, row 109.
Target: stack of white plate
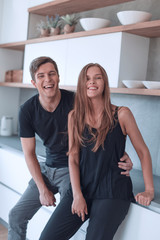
column 133, row 83
column 152, row 84
column 141, row 84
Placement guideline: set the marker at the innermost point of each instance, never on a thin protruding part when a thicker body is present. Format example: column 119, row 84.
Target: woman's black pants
column 105, row 216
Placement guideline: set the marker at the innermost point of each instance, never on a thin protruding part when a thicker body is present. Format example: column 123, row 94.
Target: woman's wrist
column 77, row 194
column 150, row 190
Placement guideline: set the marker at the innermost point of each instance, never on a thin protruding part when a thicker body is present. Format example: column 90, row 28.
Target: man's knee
column 15, row 217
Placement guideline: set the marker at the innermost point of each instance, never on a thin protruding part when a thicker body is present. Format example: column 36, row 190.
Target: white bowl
column 133, row 83
column 151, row 84
column 131, row 17
column 94, row 23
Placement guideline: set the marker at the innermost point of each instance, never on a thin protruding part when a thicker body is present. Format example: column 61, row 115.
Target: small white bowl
column 151, row 84
column 133, row 83
column 132, row 17
column 94, row 23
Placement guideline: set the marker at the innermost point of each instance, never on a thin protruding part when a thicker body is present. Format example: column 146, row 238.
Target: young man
column 45, row 114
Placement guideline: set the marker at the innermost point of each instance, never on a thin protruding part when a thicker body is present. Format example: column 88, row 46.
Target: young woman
column 97, row 135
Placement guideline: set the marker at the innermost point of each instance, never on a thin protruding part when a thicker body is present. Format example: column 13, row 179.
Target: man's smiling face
column 46, row 80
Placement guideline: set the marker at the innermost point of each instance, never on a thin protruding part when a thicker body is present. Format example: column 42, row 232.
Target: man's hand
column 125, row 164
column 47, row 198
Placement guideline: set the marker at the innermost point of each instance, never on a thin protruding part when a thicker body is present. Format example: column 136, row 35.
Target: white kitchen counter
column 11, row 155
column 13, row 142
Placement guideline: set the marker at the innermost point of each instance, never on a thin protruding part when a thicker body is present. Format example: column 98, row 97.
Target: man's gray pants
column 57, row 180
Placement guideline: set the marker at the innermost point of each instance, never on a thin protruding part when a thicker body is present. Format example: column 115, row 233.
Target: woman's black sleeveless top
column 99, row 172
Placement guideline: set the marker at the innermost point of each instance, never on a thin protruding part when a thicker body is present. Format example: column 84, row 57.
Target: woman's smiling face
column 95, row 82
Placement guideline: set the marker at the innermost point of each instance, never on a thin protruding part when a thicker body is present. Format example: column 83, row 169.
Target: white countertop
column 13, row 142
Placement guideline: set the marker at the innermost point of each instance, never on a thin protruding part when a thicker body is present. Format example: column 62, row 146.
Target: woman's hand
column 145, row 198
column 79, row 207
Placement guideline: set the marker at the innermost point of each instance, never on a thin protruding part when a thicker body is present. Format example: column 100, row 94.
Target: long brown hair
column 83, row 108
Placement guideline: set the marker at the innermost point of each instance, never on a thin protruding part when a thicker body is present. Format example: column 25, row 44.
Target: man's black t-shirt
column 51, row 127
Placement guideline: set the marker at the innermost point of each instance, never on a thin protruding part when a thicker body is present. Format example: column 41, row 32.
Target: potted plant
column 70, row 21
column 43, row 28
column 54, row 24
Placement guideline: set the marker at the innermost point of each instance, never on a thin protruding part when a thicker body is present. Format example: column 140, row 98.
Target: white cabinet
column 14, row 177
column 56, row 50
column 7, row 200
column 13, row 170
column 103, row 49
column 139, row 224
column 119, row 53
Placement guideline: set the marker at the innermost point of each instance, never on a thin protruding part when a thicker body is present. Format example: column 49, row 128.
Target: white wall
column 14, row 23
column 1, row 11
column 134, row 58
column 146, row 112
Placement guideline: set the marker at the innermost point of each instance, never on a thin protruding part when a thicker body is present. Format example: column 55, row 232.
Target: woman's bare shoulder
column 125, row 117
column 124, row 112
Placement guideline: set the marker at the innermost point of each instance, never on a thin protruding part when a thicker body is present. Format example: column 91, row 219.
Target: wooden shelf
column 146, row 29
column 149, row 29
column 63, row 7
column 15, row 45
column 138, row 91
column 133, row 91
column 29, row 85
column 16, row 85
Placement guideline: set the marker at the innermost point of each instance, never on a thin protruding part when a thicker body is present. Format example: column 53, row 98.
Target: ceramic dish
column 151, row 84
column 133, row 83
column 131, row 17
column 94, row 23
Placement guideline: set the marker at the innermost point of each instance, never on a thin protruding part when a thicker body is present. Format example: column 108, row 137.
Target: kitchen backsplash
column 146, row 112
